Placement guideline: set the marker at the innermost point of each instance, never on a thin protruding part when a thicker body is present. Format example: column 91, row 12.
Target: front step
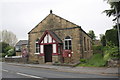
column 48, row 63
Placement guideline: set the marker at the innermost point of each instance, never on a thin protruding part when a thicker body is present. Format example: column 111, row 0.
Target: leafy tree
column 4, row 45
column 112, row 36
column 112, row 12
column 10, row 52
column 115, row 27
column 103, row 39
column 92, row 34
column 6, row 49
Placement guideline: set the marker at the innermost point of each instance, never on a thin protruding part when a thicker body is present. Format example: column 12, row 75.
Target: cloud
column 20, row 16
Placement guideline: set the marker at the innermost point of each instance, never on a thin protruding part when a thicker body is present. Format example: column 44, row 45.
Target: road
column 12, row 71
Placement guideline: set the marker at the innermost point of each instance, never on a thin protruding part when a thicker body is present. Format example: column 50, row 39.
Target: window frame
column 37, row 47
column 69, row 41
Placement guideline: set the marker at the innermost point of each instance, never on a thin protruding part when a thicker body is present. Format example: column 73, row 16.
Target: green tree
column 103, row 39
column 92, row 34
column 112, row 37
column 112, row 12
column 6, row 49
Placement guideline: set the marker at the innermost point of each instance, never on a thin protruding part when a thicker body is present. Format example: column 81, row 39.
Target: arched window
column 37, row 47
column 68, row 43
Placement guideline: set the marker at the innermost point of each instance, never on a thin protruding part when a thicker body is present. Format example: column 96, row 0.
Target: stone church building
column 56, row 39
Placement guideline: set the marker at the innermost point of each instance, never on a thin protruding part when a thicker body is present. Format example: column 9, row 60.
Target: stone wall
column 18, row 60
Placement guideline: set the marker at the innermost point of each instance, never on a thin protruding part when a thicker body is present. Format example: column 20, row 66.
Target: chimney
column 50, row 11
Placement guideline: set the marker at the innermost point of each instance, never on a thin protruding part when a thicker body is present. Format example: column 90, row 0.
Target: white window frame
column 68, row 43
column 37, row 47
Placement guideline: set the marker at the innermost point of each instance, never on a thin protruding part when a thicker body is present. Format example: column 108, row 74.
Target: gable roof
column 55, row 16
column 52, row 34
column 61, row 18
column 22, row 42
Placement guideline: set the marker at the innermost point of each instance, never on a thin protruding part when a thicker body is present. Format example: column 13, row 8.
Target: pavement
column 88, row 70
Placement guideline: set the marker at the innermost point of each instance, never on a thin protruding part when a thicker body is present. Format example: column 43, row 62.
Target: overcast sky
column 20, row 16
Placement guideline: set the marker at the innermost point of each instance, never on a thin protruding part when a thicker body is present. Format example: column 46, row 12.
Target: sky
column 20, row 16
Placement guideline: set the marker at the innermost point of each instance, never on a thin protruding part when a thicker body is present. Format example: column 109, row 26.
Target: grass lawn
column 95, row 61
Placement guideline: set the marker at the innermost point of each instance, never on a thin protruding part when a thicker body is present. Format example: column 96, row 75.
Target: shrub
column 3, row 54
column 83, row 60
column 95, row 61
column 111, row 53
column 10, row 52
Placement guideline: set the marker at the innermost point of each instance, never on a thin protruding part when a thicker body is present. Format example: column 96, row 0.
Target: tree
column 9, row 37
column 92, row 34
column 112, row 12
column 103, row 39
column 6, row 49
column 112, row 36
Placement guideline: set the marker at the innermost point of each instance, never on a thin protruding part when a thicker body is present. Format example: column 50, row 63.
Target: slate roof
column 21, row 42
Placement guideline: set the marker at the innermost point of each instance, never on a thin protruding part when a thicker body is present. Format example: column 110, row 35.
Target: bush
column 2, row 54
column 83, row 60
column 95, row 61
column 96, row 47
column 111, row 53
column 10, row 52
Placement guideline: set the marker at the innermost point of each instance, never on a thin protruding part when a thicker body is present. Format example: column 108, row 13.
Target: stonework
column 61, row 28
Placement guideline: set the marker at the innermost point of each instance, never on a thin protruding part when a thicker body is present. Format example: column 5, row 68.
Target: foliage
column 112, row 36
column 6, row 49
column 115, row 27
column 103, row 39
column 83, row 60
column 3, row 54
column 112, row 11
column 111, row 52
column 10, row 52
column 92, row 34
column 3, row 45
column 95, row 61
column 95, row 47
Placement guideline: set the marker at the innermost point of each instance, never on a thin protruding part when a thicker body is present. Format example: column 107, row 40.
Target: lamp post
column 117, row 26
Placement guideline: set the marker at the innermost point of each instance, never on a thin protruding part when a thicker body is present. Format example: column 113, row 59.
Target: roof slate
column 21, row 42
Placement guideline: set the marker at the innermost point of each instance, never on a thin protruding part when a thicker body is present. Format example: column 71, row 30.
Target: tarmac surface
column 88, row 70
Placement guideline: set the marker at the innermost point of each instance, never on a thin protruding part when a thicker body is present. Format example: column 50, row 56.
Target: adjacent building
column 21, row 48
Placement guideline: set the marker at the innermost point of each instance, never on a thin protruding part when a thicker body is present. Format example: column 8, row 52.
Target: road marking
column 4, row 70
column 29, row 75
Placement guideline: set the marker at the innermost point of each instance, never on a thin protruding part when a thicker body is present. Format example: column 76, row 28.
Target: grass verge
column 95, row 61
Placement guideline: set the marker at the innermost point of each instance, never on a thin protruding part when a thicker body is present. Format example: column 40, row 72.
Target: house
column 56, row 39
column 21, row 48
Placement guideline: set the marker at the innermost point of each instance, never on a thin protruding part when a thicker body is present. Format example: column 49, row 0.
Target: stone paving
column 89, row 70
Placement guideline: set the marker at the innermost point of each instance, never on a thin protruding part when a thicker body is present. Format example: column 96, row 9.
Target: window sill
column 37, row 53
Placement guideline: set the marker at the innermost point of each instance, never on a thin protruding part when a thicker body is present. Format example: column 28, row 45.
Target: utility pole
column 117, row 26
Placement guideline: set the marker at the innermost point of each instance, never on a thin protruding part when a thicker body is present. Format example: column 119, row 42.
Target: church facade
column 56, row 39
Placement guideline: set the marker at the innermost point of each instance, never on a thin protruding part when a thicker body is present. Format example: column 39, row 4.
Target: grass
column 95, row 61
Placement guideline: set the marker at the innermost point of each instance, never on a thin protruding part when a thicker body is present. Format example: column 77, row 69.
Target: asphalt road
column 12, row 71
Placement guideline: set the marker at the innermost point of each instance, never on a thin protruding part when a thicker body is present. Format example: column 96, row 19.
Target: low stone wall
column 18, row 60
column 113, row 63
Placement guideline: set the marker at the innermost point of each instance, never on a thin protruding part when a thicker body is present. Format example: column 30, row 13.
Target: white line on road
column 29, row 75
column 4, row 70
